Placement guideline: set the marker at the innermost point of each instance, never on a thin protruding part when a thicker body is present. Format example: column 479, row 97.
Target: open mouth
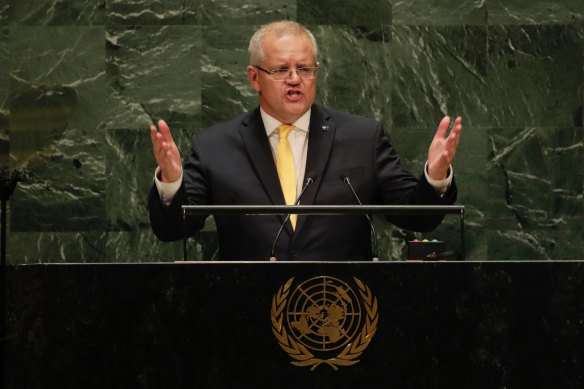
column 294, row 95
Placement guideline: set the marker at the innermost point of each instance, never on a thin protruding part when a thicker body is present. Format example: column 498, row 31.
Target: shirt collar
column 271, row 123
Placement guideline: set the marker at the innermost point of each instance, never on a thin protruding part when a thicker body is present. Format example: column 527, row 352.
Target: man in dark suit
column 265, row 157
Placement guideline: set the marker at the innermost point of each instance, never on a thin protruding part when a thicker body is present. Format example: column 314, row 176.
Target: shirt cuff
column 440, row 186
column 166, row 190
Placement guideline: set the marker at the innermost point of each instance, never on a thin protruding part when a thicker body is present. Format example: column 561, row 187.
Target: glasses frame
column 315, row 70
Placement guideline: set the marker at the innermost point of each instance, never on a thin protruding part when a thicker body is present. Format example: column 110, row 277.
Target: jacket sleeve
column 167, row 220
column 396, row 186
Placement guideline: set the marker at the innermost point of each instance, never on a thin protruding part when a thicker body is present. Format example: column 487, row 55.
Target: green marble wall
column 513, row 69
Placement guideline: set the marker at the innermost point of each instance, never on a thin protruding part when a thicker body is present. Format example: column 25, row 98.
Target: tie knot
column 284, row 130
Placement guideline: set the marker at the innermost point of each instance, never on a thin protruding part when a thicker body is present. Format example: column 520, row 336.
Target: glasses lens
column 280, row 74
column 305, row 72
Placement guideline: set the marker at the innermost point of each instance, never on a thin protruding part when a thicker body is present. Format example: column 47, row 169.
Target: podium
column 212, row 325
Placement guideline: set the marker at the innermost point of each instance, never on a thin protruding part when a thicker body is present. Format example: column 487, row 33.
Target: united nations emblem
column 324, row 321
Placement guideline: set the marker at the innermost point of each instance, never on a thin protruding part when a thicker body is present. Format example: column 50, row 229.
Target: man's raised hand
column 443, row 148
column 166, row 153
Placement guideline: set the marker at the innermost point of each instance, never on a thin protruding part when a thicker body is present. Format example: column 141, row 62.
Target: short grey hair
column 281, row 29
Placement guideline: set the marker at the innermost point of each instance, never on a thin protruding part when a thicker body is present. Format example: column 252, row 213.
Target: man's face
column 285, row 100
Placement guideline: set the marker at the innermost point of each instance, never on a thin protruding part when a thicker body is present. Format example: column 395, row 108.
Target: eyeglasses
column 304, row 73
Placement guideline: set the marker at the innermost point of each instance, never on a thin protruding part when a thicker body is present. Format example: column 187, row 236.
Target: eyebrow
column 281, row 65
column 287, row 66
column 284, row 64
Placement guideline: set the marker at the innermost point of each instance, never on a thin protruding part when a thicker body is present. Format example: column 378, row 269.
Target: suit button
column 294, row 254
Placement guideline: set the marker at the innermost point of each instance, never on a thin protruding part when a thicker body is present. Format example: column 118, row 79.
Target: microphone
column 375, row 258
column 309, row 180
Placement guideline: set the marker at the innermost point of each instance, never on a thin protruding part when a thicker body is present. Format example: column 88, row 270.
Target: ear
column 252, row 75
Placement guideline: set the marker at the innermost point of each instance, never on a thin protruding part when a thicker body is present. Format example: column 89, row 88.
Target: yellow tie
column 285, row 166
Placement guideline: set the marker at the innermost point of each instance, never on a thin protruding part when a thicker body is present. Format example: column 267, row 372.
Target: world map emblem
column 324, row 321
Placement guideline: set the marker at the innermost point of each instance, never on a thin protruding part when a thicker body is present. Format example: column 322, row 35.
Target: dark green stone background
column 512, row 69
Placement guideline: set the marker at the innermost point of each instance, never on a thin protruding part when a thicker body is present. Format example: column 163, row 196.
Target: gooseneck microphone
column 307, row 182
column 375, row 258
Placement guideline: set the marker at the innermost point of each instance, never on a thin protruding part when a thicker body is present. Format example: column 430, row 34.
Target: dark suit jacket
column 231, row 163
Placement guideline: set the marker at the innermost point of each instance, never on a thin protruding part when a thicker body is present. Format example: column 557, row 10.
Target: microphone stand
column 374, row 249
column 308, row 181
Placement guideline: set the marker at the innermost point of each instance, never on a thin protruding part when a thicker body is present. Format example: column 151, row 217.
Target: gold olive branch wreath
column 300, row 353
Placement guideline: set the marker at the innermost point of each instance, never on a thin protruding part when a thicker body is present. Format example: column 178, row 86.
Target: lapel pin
column 325, row 127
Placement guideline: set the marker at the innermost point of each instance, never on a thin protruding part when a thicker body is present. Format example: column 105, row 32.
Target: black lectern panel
column 344, row 325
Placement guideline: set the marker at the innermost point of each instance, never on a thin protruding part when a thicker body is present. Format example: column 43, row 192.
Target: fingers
column 454, row 137
column 164, row 131
column 443, row 147
column 162, row 141
column 153, row 135
column 445, row 123
column 163, row 127
column 443, row 127
column 157, row 140
column 162, row 137
column 457, row 126
column 454, row 134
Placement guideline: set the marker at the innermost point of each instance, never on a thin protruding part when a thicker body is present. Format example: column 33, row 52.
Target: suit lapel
column 320, row 141
column 256, row 142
